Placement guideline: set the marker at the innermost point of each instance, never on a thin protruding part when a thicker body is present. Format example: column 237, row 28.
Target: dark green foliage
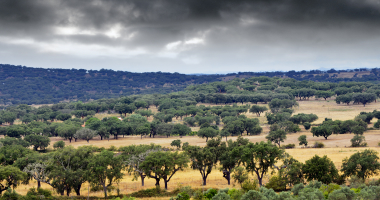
column 35, row 194
column 258, row 109
column 303, row 118
column 321, row 169
column 38, row 141
column 323, row 130
column 361, row 164
column 276, row 136
column 210, row 193
column 363, row 98
column 259, row 157
column 8, row 141
column 208, row 132
column 59, row 145
column 289, row 146
column 176, row 143
column 302, row 140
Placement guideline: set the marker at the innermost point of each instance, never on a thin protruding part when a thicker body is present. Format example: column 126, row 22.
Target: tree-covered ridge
column 41, row 86
column 26, row 85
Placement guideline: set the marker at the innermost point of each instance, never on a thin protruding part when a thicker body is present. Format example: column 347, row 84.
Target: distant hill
column 27, row 85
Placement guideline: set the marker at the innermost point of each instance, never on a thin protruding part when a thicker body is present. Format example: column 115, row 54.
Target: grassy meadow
column 336, row 146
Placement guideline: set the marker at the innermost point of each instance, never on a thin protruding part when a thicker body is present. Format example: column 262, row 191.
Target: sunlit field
column 336, row 147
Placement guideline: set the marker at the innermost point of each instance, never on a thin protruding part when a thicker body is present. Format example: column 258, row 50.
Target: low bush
column 154, row 192
column 248, row 185
column 276, row 183
column 289, row 146
column 318, row 145
column 210, row 193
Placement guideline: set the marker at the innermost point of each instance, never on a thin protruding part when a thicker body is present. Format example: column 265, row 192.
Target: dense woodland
column 26, row 85
column 24, row 155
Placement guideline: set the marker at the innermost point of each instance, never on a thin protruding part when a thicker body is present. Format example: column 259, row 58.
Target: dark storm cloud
column 245, row 31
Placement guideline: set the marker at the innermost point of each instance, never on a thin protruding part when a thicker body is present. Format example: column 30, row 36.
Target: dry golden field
column 337, row 146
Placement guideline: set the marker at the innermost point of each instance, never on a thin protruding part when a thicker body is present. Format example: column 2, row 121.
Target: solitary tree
column 202, row 159
column 362, row 164
column 176, row 143
column 302, row 140
column 85, row 134
column 321, row 169
column 104, row 169
column 163, row 165
column 208, row 132
column 258, row 109
column 276, row 136
column 323, row 130
column 260, row 157
column 38, row 141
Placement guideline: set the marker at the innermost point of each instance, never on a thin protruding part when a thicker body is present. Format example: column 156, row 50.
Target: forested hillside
column 25, row 85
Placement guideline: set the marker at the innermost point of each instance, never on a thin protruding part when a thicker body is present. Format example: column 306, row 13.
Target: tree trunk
column 77, row 190
column 157, row 182
column 105, row 191
column 38, row 184
column 166, row 184
column 67, row 191
column 260, row 181
column 142, row 179
column 204, row 180
column 101, row 137
column 70, row 140
column 227, row 175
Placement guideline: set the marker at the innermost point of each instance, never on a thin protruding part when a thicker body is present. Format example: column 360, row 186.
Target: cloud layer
column 191, row 36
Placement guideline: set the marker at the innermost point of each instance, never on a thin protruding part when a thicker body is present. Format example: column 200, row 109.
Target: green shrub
column 297, row 188
column 342, row 194
column 307, row 125
column 112, row 148
column 235, row 194
column 59, row 145
column 356, row 182
column 377, row 124
column 187, row 189
column 253, row 194
column 311, row 193
column 248, row 185
column 221, row 196
column 210, row 193
column 318, row 145
column 276, row 183
column 327, row 189
column 268, row 193
column 181, row 196
column 34, row 194
column 289, row 146
column 153, row 192
column 374, row 182
column 358, row 141
column 198, row 195
column 10, row 195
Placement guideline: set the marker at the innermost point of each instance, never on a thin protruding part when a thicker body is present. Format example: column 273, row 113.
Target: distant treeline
column 26, row 85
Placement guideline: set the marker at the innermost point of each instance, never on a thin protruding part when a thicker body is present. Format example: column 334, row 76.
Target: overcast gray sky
column 191, row 36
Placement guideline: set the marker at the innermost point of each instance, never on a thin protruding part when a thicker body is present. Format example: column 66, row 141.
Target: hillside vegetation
column 26, row 85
